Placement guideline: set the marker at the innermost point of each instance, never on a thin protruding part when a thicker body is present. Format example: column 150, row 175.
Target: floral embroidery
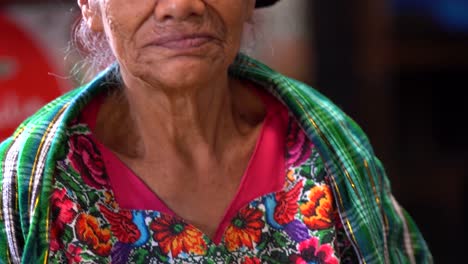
column 297, row 230
column 64, row 211
column 89, row 232
column 312, row 252
column 251, row 260
column 298, row 146
column 175, row 236
column 122, row 225
column 245, row 229
column 73, row 254
column 319, row 212
column 287, row 205
column 85, row 158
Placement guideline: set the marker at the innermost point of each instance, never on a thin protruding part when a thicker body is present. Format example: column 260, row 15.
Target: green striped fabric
column 379, row 229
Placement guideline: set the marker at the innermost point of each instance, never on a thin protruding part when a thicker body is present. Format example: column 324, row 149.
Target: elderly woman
column 185, row 151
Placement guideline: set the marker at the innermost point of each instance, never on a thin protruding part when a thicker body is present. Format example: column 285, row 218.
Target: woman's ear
column 91, row 14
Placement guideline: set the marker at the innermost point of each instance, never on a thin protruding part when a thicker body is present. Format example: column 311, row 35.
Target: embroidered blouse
column 283, row 211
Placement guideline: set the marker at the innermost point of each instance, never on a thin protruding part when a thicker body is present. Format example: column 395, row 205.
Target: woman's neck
column 189, row 123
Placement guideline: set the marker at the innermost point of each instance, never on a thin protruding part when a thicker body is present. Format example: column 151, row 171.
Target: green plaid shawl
column 379, row 229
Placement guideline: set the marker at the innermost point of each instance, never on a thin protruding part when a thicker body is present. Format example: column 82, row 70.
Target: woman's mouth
column 183, row 41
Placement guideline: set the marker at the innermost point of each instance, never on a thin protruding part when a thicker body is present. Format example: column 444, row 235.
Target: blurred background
column 398, row 67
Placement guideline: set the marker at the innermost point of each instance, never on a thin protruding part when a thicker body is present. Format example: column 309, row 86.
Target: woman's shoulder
column 357, row 177
column 25, row 171
column 41, row 118
column 34, row 136
column 54, row 115
column 315, row 112
column 288, row 90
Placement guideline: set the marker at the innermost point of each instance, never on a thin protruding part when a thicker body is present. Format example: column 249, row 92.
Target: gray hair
column 94, row 50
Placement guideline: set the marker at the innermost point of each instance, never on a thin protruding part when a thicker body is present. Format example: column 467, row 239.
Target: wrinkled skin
column 134, row 27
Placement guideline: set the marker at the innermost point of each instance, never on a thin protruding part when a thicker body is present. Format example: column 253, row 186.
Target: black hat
column 264, row 3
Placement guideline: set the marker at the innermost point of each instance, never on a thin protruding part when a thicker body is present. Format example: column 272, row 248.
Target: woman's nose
column 179, row 9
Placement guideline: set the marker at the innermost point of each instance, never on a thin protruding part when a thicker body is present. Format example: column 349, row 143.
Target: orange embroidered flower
column 290, row 175
column 175, row 236
column 88, row 231
column 318, row 212
column 109, row 200
column 245, row 229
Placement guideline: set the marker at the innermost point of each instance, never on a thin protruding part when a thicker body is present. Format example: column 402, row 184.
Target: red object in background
column 25, row 83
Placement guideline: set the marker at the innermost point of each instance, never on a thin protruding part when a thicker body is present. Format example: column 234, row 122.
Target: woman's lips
column 183, row 42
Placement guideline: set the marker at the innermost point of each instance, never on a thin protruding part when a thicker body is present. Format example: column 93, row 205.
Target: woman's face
column 171, row 42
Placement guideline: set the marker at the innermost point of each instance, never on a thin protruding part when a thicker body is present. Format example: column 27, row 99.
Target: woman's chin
column 184, row 72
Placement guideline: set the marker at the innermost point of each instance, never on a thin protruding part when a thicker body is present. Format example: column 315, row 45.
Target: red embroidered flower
column 64, row 209
column 298, row 145
column 245, row 229
column 63, row 212
column 287, row 204
column 73, row 254
column 122, row 225
column 251, row 260
column 319, row 212
column 88, row 231
column 175, row 236
column 312, row 252
column 86, row 159
column 55, row 242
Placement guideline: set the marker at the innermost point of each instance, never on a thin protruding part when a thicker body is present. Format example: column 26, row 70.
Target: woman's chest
column 203, row 204
column 201, row 197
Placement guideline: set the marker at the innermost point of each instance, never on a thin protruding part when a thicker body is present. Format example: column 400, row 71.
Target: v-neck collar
column 265, row 172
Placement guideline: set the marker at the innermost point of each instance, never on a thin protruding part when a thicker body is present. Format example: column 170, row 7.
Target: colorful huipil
column 293, row 225
column 57, row 208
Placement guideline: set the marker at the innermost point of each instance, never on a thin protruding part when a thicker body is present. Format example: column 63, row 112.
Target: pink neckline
column 264, row 174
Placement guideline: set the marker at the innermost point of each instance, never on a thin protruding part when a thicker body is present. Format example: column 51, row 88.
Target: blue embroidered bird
column 282, row 207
